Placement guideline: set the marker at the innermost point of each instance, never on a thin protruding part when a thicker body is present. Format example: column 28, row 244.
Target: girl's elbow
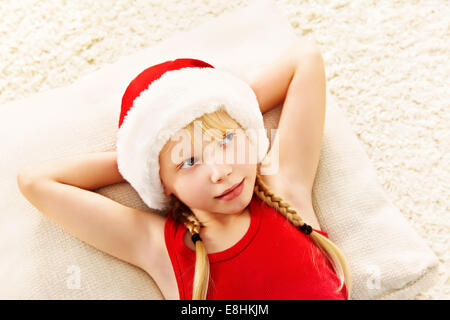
column 23, row 182
column 26, row 178
column 306, row 47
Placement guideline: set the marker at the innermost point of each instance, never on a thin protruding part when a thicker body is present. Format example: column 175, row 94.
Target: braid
column 182, row 214
column 263, row 192
column 327, row 247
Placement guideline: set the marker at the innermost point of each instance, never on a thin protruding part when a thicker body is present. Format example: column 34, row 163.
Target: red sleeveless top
column 272, row 261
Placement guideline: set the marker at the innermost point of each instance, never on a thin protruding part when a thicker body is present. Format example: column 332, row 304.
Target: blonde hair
column 222, row 121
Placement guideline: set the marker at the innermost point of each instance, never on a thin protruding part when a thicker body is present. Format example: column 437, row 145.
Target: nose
column 219, row 172
column 215, row 161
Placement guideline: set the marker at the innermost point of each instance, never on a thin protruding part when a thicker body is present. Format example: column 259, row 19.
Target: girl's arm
column 61, row 190
column 272, row 84
column 87, row 171
column 299, row 79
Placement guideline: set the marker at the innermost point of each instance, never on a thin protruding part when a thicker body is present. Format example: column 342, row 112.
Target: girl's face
column 197, row 173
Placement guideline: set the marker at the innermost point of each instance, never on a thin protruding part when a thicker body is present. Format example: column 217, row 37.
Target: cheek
column 190, row 189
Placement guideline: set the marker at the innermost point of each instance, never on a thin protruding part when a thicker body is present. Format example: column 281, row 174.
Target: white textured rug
column 387, row 65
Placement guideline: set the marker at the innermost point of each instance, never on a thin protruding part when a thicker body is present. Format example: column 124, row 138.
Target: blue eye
column 228, row 135
column 189, row 160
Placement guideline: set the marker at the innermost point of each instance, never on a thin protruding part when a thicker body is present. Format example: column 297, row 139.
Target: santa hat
column 163, row 99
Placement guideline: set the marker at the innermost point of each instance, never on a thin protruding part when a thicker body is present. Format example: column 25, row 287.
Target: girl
column 231, row 231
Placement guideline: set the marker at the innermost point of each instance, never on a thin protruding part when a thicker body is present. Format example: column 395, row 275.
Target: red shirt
column 273, row 261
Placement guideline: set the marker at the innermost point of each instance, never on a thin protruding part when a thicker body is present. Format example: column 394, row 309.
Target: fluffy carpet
column 387, row 65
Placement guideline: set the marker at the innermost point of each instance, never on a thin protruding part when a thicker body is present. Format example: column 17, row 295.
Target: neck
column 219, row 222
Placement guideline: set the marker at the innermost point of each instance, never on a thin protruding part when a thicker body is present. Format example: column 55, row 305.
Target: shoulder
column 297, row 195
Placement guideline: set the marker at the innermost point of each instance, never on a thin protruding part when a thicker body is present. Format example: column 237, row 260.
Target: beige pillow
column 40, row 260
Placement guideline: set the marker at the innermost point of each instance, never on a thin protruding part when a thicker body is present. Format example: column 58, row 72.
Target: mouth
column 233, row 192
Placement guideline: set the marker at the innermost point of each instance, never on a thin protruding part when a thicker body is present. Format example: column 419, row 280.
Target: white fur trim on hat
column 170, row 103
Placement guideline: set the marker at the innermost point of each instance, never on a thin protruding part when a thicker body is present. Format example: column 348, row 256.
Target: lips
column 230, row 190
